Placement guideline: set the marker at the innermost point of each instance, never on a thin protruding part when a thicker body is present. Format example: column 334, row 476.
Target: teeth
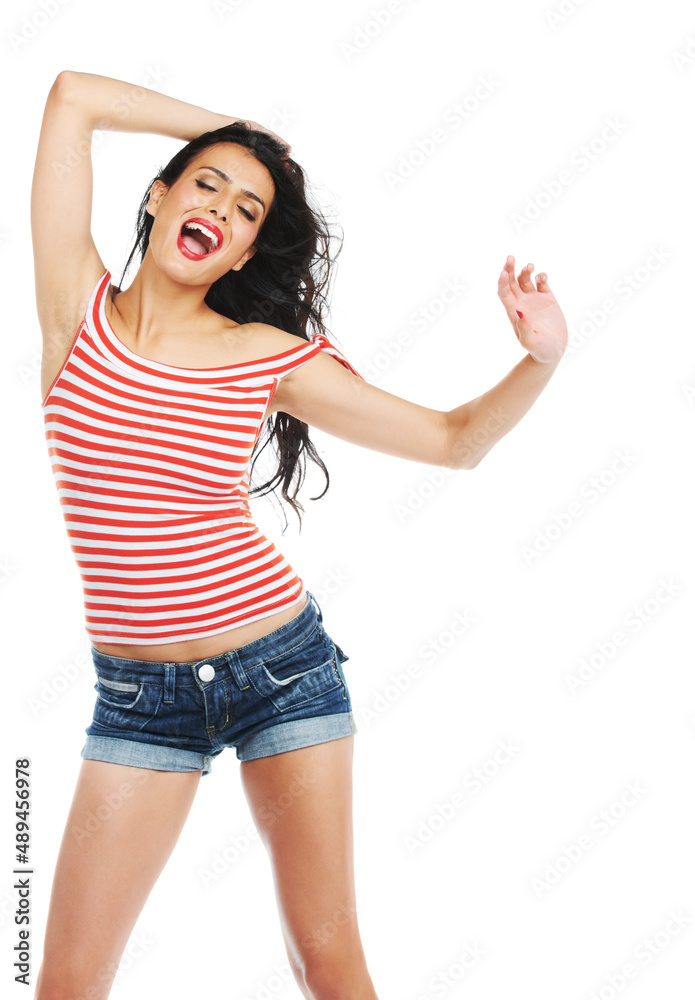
column 204, row 229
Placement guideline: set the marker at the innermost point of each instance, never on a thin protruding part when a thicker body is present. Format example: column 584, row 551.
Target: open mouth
column 198, row 239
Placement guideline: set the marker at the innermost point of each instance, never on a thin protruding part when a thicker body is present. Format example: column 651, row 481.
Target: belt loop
column 237, row 670
column 169, row 683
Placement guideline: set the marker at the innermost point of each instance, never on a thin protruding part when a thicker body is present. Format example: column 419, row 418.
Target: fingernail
column 520, row 314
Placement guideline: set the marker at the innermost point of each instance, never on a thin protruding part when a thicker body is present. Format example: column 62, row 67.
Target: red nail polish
column 520, row 314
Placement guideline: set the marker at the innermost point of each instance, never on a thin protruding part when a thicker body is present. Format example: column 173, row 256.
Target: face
column 207, row 221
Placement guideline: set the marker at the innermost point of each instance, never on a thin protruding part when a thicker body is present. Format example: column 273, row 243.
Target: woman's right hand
column 273, row 135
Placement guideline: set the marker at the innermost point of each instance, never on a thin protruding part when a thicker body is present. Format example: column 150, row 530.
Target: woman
column 202, row 634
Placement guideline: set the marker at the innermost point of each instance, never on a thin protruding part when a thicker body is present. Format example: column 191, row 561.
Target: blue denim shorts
column 281, row 692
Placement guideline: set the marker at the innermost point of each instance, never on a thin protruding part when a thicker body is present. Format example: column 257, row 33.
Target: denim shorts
column 281, row 692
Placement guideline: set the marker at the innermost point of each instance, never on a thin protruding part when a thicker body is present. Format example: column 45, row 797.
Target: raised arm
column 322, row 393
column 67, row 263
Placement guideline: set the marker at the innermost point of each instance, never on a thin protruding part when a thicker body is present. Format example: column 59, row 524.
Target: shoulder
column 272, row 336
column 261, row 340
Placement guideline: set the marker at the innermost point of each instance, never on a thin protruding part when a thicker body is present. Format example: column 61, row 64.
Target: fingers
column 273, row 135
column 509, row 268
column 524, row 282
column 503, row 287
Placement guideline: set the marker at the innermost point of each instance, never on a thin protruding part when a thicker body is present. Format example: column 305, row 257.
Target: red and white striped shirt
column 151, row 463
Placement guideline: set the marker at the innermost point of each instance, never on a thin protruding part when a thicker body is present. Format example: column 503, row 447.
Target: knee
column 60, row 990
column 324, row 984
column 60, row 981
column 335, row 976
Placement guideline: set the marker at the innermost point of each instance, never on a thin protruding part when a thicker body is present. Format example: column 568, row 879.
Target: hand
column 541, row 329
column 262, row 128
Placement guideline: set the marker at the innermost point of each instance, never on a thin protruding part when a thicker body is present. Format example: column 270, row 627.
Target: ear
column 157, row 192
column 247, row 256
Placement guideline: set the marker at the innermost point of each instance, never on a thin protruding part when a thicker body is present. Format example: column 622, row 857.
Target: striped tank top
column 151, row 463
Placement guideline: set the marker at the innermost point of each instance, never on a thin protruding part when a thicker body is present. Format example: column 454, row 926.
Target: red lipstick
column 209, row 229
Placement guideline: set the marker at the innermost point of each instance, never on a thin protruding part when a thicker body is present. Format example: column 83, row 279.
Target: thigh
column 122, row 826
column 301, row 802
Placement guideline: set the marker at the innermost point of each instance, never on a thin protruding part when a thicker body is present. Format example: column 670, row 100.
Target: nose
column 214, row 212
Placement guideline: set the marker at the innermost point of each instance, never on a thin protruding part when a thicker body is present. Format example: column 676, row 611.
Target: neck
column 155, row 306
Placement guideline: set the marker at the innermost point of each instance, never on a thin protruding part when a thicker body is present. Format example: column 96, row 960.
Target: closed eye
column 251, row 218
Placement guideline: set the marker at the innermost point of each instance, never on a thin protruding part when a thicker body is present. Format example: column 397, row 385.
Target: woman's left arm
column 325, row 395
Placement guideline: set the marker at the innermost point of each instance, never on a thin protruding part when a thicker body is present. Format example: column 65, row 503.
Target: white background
column 411, row 547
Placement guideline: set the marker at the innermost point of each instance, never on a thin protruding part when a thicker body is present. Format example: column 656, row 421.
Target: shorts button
column 206, row 672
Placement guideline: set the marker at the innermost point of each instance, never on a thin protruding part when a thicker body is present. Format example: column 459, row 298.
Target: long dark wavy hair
column 285, row 283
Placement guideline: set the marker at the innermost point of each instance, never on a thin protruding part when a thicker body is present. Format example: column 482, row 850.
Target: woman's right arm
column 67, row 264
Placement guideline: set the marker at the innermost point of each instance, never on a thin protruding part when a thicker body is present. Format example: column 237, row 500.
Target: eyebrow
column 221, row 173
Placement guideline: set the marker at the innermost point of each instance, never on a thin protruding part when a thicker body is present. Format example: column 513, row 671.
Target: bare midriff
column 199, row 649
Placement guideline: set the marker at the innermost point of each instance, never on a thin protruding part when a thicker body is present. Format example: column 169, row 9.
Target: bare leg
column 122, row 827
column 301, row 802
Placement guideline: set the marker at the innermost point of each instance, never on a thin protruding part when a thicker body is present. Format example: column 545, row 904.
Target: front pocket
column 298, row 676
column 118, row 694
column 125, row 705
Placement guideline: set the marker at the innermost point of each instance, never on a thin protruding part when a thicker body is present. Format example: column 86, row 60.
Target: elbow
column 64, row 86
column 463, row 455
column 461, row 451
column 471, row 462
column 460, row 462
